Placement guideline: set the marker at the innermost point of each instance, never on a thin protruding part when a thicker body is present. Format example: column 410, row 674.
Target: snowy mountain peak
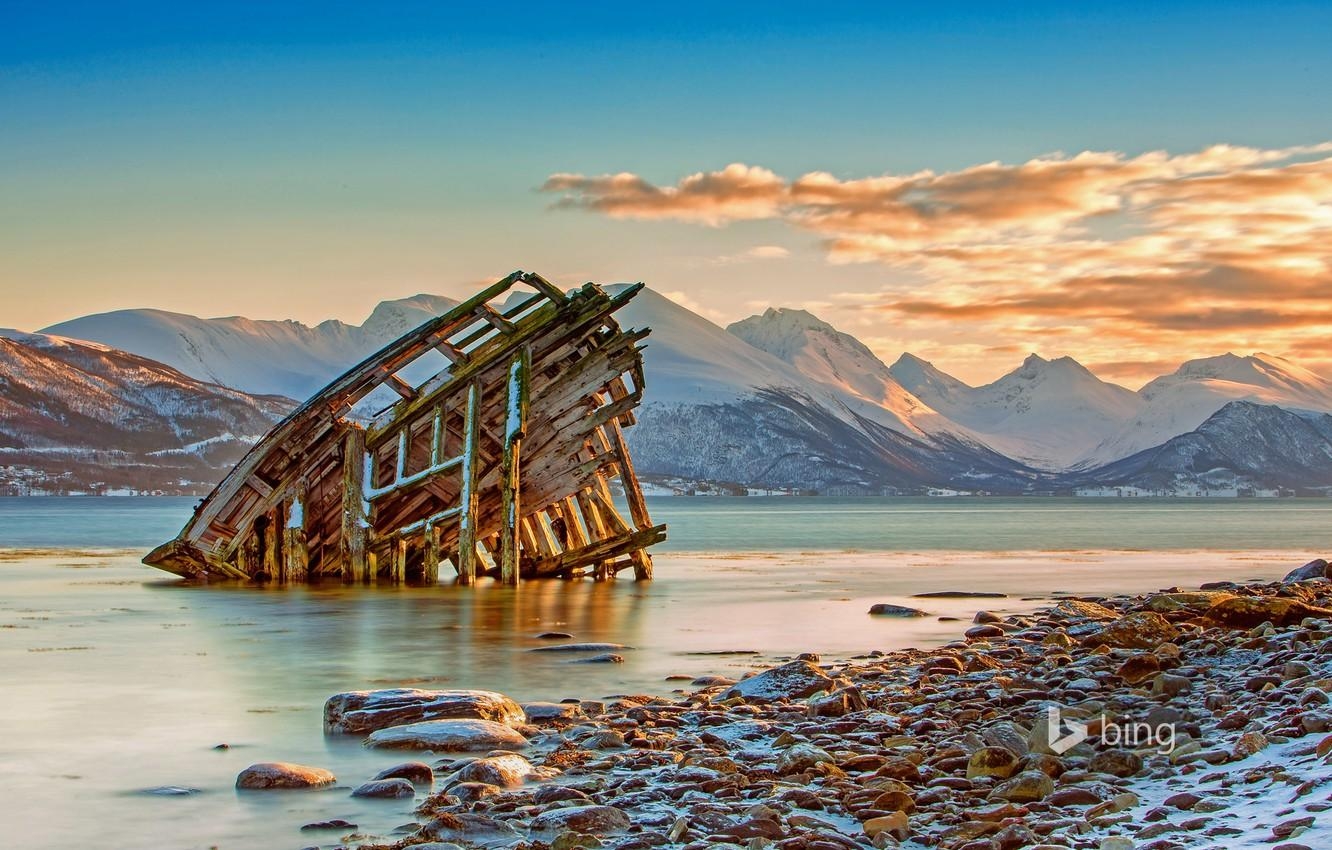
column 826, row 355
column 785, row 331
column 394, row 318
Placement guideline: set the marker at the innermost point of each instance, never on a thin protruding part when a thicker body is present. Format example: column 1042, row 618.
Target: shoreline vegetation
column 1184, row 718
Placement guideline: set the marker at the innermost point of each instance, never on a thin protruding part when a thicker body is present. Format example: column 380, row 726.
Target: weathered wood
column 387, row 500
column 295, row 546
column 355, row 510
column 601, row 551
column 516, row 402
column 430, row 573
column 467, row 497
column 272, row 544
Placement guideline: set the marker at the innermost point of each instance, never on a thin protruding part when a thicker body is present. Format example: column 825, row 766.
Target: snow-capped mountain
column 791, row 412
column 781, row 399
column 1046, row 413
column 1242, row 446
column 1178, row 403
column 829, row 357
column 86, row 417
column 259, row 356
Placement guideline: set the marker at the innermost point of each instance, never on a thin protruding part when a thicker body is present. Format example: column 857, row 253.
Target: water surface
column 117, row 677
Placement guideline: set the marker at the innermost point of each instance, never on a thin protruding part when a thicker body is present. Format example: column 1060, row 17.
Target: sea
column 118, row 681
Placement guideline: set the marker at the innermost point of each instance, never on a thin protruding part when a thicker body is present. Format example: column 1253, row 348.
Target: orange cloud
column 713, row 197
column 1138, row 252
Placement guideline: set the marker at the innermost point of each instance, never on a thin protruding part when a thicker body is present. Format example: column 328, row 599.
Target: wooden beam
column 633, row 494
column 604, row 550
column 355, row 510
column 295, row 548
column 494, row 319
column 430, row 575
column 399, row 386
column 467, row 497
column 272, row 544
column 515, row 423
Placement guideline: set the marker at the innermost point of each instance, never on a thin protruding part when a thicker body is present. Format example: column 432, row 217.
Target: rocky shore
column 1194, row 718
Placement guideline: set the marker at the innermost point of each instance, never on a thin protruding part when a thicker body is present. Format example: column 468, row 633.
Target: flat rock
column 548, row 713
column 448, row 736
column 1027, row 787
column 581, row 647
column 960, row 594
column 1140, row 630
column 385, row 788
column 600, row 658
column 1078, row 609
column 595, row 820
column 362, row 712
column 170, row 791
column 884, row 609
column 1245, row 612
column 795, row 680
column 281, row 774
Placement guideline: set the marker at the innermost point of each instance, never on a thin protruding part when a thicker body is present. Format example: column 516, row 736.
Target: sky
column 1130, row 184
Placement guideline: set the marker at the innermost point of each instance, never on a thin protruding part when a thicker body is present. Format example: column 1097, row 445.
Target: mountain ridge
column 780, row 368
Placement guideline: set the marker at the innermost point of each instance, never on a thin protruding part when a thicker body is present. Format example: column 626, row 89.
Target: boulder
column 470, row 829
column 1027, row 787
column 362, row 712
column 597, row 820
column 416, row 772
column 1197, row 601
column 1140, row 630
column 1139, row 668
column 385, row 788
column 1317, row 568
column 795, row 680
column 1077, row 609
column 992, row 761
column 1245, row 612
column 1121, row 763
column 281, row 774
column 448, row 736
column 801, row 757
column 505, row 771
column 839, row 703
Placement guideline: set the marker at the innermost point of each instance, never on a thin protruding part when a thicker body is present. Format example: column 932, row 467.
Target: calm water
column 769, row 524
column 117, row 678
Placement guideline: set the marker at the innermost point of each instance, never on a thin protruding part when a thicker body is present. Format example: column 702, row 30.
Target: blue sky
column 307, row 160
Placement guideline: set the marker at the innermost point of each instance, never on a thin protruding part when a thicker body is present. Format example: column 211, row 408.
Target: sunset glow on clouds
column 1221, row 244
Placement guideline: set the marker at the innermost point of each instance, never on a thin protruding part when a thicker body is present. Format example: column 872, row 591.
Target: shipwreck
column 501, row 463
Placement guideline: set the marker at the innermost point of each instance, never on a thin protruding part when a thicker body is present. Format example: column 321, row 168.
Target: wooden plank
column 515, row 423
column 397, row 553
column 467, row 497
column 430, row 575
column 272, row 544
column 633, row 491
column 604, row 550
column 259, row 485
column 399, row 386
column 355, row 537
column 295, row 550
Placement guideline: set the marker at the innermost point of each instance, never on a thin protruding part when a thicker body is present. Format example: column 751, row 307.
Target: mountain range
column 780, row 400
